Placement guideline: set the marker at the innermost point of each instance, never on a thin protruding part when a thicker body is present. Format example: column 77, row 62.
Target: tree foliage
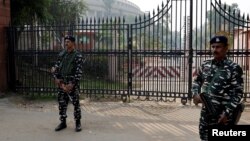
column 223, row 19
column 25, row 12
column 226, row 17
column 67, row 10
column 28, row 11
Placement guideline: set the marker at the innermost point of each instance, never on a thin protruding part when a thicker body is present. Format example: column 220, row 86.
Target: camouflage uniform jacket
column 221, row 81
column 69, row 67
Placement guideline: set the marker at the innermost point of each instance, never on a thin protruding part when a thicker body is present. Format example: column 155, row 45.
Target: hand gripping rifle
column 68, row 93
column 60, row 85
column 53, row 70
column 210, row 109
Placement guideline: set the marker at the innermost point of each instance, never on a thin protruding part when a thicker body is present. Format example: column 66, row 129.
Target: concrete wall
column 4, row 22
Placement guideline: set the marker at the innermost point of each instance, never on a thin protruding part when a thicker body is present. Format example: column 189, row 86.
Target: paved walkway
column 102, row 121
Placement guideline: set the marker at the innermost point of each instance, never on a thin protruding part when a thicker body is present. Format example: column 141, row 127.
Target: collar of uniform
column 219, row 63
column 71, row 51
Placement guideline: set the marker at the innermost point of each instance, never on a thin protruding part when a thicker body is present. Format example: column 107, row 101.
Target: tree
column 28, row 11
column 222, row 19
column 24, row 12
column 35, row 12
column 67, row 10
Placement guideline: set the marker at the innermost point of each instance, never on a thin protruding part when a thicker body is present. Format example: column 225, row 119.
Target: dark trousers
column 63, row 100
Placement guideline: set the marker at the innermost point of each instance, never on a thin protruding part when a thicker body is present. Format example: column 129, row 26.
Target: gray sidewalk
column 103, row 121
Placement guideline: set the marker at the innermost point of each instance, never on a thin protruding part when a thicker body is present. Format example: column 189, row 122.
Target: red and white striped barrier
column 160, row 71
column 156, row 71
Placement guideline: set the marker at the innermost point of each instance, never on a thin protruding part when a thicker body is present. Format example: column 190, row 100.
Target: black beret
column 71, row 38
column 219, row 39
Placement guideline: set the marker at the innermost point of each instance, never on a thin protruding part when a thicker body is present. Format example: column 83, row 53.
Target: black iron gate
column 156, row 57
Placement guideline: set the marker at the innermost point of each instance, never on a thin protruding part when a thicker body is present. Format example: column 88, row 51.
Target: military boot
column 78, row 126
column 61, row 126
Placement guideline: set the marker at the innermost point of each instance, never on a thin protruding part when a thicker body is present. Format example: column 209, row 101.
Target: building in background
column 242, row 43
column 111, row 8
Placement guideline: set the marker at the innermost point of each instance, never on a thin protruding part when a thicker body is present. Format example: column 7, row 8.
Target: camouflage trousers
column 203, row 125
column 206, row 121
column 63, row 100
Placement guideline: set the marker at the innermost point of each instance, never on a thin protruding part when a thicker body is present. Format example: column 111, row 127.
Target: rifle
column 209, row 106
column 211, row 111
column 68, row 94
column 60, row 85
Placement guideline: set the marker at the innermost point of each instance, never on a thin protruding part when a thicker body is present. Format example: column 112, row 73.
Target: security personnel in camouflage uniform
column 221, row 80
column 67, row 72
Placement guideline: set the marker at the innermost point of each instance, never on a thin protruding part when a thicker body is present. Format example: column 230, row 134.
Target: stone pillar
column 4, row 22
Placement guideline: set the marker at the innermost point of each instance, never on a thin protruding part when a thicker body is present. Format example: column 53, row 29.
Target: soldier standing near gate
column 67, row 73
column 221, row 80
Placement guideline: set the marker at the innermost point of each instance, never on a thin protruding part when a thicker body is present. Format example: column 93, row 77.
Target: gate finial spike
column 123, row 19
column 78, row 20
column 220, row 2
column 115, row 20
column 111, row 19
column 99, row 20
column 247, row 17
column 90, row 20
column 82, row 20
column 153, row 12
column 225, row 6
column 119, row 20
column 162, row 4
column 107, row 20
column 140, row 18
column 94, row 20
column 229, row 9
column 158, row 8
column 136, row 19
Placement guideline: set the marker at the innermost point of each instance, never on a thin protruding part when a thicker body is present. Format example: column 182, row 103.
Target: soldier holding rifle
column 219, row 86
column 67, row 73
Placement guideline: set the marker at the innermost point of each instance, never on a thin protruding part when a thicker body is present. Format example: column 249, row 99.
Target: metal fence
column 156, row 57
